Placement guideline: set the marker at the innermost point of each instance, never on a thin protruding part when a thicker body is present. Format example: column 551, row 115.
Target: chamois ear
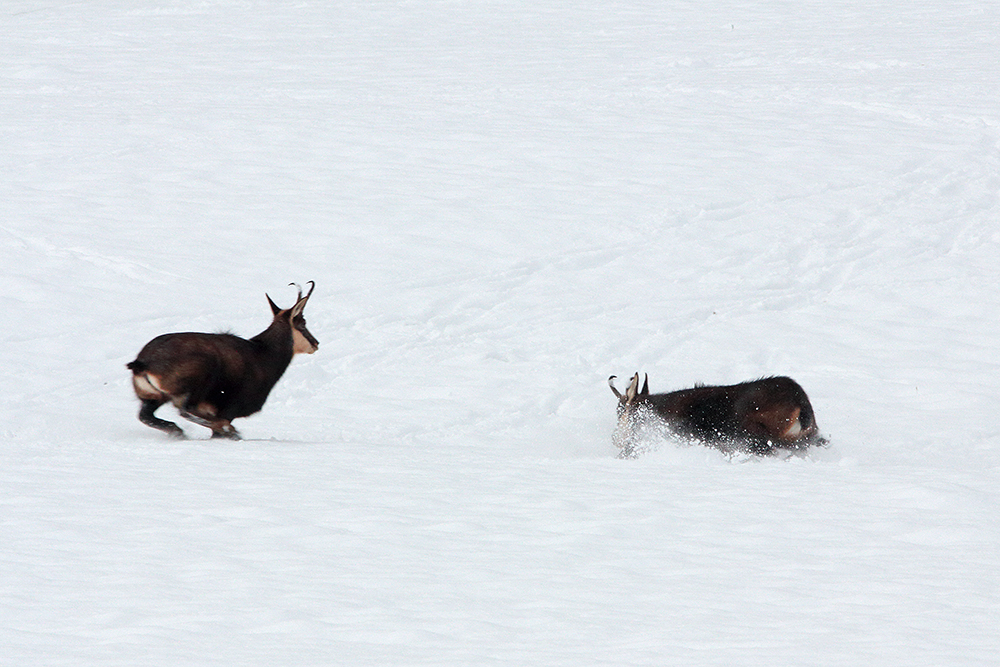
column 274, row 307
column 633, row 388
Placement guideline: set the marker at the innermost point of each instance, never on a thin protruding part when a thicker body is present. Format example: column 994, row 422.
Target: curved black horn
column 312, row 285
column 611, row 383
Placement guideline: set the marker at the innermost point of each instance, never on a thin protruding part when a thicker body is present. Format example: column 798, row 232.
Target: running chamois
column 214, row 378
column 758, row 417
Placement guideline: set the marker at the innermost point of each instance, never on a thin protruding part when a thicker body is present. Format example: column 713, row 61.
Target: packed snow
column 502, row 204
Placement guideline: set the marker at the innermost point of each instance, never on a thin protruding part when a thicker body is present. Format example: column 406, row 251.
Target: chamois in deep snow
column 215, row 378
column 760, row 416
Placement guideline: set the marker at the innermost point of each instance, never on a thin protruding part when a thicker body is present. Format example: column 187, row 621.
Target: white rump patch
column 148, row 384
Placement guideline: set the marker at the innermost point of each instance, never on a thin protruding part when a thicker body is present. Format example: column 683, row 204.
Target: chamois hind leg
column 146, row 416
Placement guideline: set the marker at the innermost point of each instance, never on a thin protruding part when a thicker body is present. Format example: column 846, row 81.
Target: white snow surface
column 502, row 204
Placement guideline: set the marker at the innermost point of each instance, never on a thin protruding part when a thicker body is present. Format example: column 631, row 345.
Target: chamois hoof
column 228, row 435
column 172, row 430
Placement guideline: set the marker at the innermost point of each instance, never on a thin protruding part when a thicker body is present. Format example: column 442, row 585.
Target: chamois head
column 303, row 342
column 630, row 414
column 628, row 401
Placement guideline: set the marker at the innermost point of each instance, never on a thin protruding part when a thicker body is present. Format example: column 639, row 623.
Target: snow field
column 501, row 205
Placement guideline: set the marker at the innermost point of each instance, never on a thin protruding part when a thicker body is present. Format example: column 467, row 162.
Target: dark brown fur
column 760, row 416
column 215, row 378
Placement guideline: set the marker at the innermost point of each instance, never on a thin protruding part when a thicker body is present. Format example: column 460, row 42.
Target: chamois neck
column 275, row 338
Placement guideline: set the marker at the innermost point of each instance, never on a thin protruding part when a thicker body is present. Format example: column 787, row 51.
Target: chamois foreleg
column 221, row 428
column 204, row 414
column 225, row 430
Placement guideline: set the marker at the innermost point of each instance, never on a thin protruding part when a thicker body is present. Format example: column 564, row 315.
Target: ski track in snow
column 502, row 205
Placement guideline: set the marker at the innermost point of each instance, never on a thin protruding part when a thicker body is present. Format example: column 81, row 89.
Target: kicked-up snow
column 501, row 205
